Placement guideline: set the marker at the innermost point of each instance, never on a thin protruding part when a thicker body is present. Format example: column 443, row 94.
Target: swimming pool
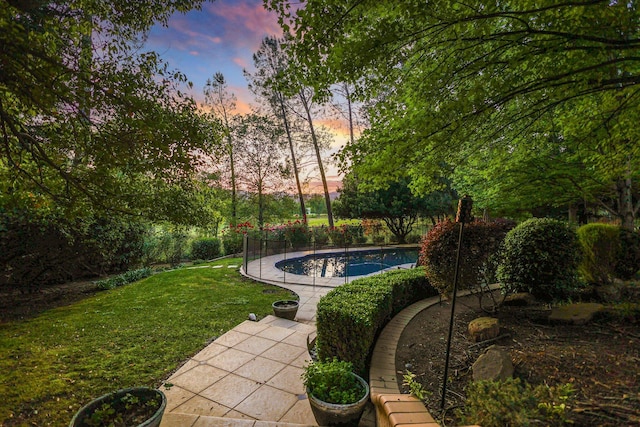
column 341, row 264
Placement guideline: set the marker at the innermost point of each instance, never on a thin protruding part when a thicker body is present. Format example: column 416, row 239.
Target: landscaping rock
column 609, row 293
column 493, row 365
column 575, row 314
column 521, row 299
column 483, row 328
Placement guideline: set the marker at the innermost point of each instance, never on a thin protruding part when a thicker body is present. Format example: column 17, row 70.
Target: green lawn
column 318, row 220
column 135, row 335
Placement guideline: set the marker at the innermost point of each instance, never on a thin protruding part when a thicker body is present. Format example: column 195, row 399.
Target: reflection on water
column 349, row 264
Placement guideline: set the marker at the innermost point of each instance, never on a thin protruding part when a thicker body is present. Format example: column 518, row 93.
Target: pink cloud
column 185, row 27
column 241, row 62
column 253, row 18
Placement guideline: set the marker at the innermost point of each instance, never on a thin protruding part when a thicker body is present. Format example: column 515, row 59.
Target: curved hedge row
column 349, row 318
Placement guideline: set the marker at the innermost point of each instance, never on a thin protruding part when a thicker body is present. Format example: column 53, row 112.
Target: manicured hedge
column 205, row 248
column 349, row 318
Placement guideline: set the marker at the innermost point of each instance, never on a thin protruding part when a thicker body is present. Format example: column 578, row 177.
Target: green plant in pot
column 337, row 395
column 132, row 407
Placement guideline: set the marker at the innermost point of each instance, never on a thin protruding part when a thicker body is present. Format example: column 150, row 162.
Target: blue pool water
column 349, row 264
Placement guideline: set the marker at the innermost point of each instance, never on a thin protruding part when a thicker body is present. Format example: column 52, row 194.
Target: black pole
column 453, row 309
column 463, row 215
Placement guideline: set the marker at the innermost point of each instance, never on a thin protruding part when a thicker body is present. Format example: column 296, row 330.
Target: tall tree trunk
column 260, row 208
column 573, row 213
column 234, row 196
column 303, row 209
column 627, row 211
column 316, row 146
column 348, row 96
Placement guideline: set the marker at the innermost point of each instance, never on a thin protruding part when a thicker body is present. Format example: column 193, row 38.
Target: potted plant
column 337, row 395
column 131, row 407
column 286, row 309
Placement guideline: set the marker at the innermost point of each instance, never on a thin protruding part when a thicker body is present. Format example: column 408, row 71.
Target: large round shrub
column 205, row 248
column 480, row 243
column 540, row 256
column 600, row 247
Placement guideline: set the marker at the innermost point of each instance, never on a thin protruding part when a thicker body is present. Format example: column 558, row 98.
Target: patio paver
column 250, row 376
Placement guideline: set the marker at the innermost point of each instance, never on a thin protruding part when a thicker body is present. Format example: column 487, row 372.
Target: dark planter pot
column 286, row 309
column 143, row 393
column 331, row 414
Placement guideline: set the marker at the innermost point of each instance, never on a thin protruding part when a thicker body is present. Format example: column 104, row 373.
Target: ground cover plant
column 135, row 335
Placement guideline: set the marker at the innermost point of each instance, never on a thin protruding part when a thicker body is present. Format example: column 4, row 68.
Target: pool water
column 349, row 264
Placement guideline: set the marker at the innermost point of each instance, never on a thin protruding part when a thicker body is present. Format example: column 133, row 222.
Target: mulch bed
column 600, row 359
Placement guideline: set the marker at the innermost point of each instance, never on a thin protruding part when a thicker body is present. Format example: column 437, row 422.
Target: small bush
column 233, row 237
column 320, row 235
column 540, row 256
column 297, row 234
column 480, row 244
column 379, row 239
column 206, row 248
column 350, row 317
column 600, row 248
column 512, row 403
column 124, row 278
column 346, row 235
column 232, row 243
column 628, row 260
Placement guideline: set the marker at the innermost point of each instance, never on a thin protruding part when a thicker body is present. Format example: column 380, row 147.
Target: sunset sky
column 221, row 37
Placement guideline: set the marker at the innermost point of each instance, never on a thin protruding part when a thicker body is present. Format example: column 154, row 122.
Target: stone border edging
column 392, row 407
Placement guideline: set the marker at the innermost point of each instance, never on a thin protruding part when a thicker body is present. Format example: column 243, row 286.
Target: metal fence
column 258, row 249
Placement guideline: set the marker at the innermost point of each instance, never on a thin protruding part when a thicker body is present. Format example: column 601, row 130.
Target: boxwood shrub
column 540, row 256
column 349, row 318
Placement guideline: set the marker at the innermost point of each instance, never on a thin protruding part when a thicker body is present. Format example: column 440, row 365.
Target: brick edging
column 392, row 407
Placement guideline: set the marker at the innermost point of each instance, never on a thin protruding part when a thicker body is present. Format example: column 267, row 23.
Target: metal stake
column 464, row 215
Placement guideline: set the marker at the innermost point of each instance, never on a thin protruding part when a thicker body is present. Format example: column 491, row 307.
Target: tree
column 294, row 87
column 260, row 159
column 396, row 205
column 456, row 78
column 87, row 123
column 270, row 63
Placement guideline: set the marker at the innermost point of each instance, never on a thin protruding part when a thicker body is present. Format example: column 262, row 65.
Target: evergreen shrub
column 205, row 248
column 350, row 317
column 540, row 256
column 481, row 242
column 628, row 260
column 514, row 403
column 600, row 244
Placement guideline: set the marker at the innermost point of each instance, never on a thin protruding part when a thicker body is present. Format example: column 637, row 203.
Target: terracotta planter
column 143, row 394
column 332, row 414
column 286, row 309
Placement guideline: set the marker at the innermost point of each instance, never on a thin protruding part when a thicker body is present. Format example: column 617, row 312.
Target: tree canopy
column 454, row 81
column 88, row 122
column 396, row 205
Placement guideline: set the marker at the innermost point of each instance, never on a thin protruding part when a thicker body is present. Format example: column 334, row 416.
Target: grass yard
column 136, row 335
column 318, row 220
